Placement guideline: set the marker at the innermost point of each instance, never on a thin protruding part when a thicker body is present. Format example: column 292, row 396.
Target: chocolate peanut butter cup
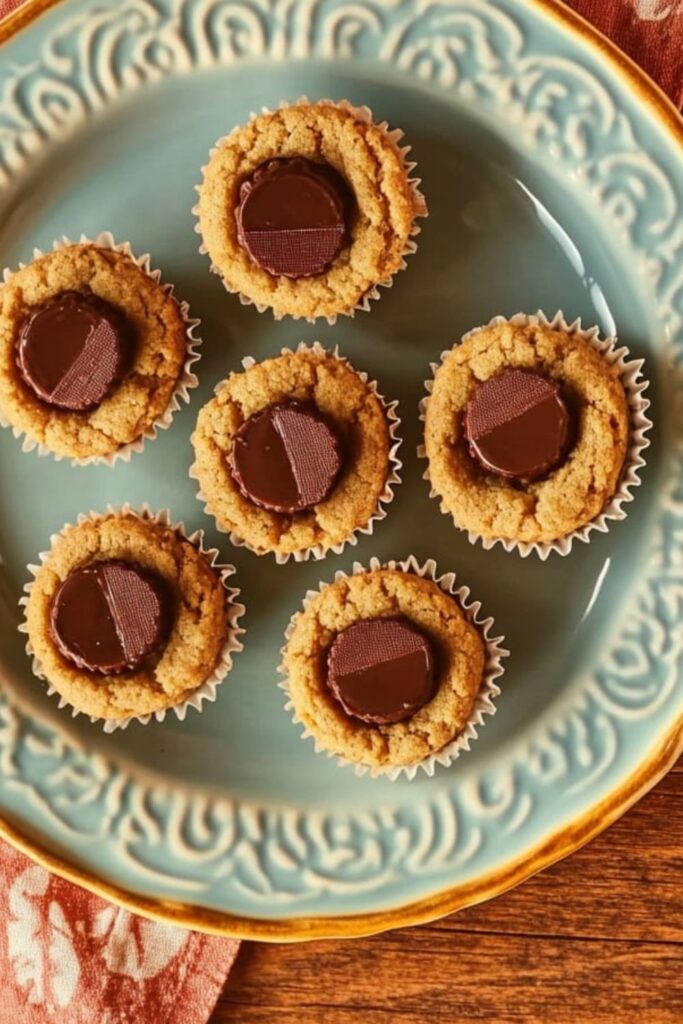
column 286, row 458
column 74, row 349
column 381, row 670
column 518, row 425
column 108, row 617
column 292, row 216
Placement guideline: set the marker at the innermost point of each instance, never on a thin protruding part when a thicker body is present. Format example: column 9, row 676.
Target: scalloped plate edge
column 301, row 929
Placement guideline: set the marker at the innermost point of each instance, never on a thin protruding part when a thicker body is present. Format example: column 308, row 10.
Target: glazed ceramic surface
column 550, row 186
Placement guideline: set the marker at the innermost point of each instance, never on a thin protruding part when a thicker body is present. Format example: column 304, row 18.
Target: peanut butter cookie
column 526, row 431
column 295, row 454
column 92, row 351
column 126, row 617
column 307, row 209
column 383, row 668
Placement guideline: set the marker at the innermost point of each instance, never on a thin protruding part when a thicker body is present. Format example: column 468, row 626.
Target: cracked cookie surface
column 359, row 418
column 199, row 630
column 384, row 593
column 573, row 494
column 372, row 165
column 147, row 388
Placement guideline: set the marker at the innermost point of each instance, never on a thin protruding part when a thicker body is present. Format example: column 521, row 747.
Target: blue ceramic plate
column 554, row 176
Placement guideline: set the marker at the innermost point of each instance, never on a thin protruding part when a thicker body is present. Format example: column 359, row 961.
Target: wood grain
column 596, row 939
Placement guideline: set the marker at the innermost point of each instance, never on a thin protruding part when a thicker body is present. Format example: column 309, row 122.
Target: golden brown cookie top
column 570, row 495
column 327, row 382
column 194, row 639
column 159, row 350
column 385, row 205
column 375, row 594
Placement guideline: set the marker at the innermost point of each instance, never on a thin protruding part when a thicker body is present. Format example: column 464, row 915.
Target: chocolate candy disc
column 518, row 425
column 381, row 670
column 286, row 458
column 109, row 616
column 291, row 218
column 73, row 350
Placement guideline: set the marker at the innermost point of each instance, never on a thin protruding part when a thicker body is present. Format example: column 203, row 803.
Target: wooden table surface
column 596, row 939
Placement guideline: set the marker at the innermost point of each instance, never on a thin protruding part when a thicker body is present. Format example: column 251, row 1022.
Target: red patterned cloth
column 649, row 31
column 68, row 957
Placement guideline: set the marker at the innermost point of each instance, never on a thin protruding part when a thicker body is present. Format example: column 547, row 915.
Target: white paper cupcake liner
column 394, row 136
column 320, row 551
column 186, row 381
column 489, row 689
column 634, row 386
column 204, row 693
